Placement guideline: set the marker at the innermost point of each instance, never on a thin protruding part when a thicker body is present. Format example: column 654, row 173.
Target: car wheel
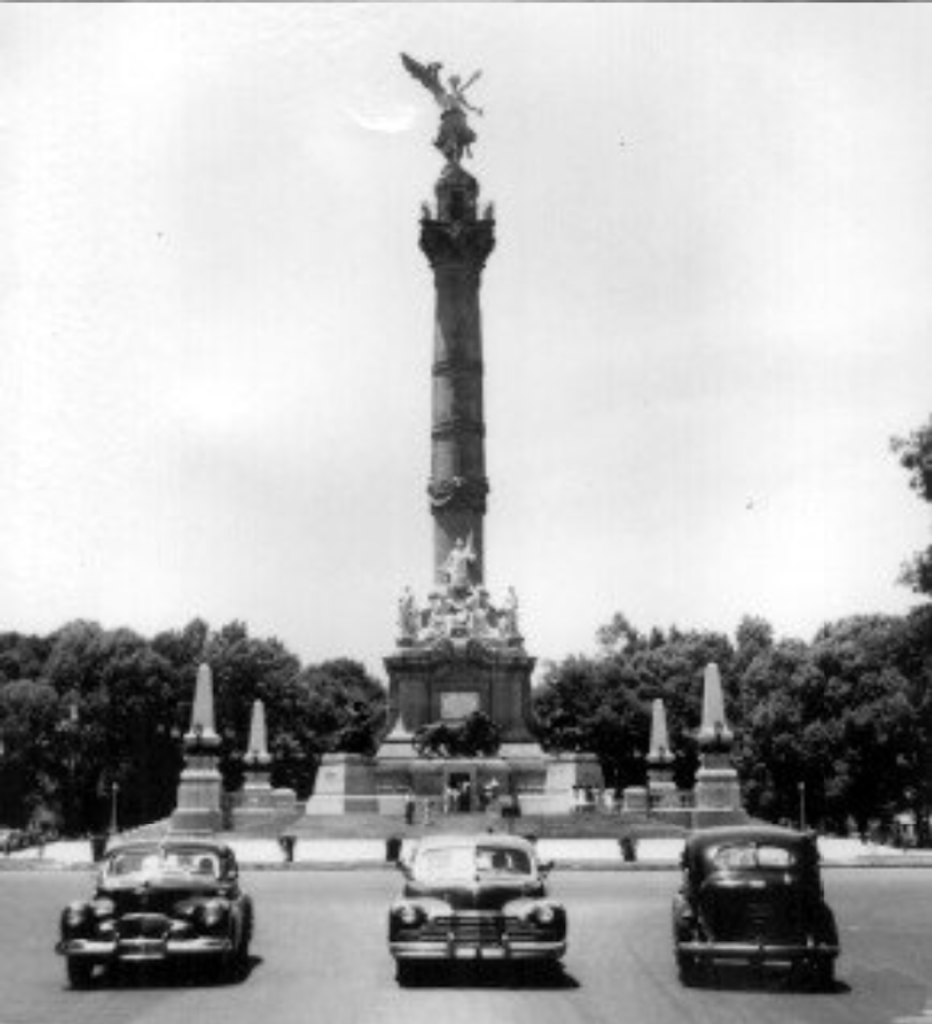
column 823, row 974
column 408, row 973
column 80, row 972
column 689, row 968
column 239, row 965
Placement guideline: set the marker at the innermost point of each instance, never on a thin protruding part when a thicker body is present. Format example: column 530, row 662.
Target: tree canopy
column 88, row 709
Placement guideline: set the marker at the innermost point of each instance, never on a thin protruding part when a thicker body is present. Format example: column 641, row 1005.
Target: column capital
column 457, row 244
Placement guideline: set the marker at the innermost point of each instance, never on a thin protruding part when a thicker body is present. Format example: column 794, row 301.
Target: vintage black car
column 754, row 895
column 474, row 898
column 172, row 900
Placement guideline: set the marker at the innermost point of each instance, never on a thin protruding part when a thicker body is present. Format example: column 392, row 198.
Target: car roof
column 708, row 837
column 447, row 841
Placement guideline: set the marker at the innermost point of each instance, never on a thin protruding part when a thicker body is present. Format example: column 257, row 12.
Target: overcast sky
column 707, row 313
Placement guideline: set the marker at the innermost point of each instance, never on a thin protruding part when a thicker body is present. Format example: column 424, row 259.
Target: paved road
column 320, row 956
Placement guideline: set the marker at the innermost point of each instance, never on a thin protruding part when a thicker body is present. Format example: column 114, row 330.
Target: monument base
column 634, row 800
column 258, row 805
column 199, row 792
column 345, row 784
column 717, row 795
column 717, row 788
column 520, row 779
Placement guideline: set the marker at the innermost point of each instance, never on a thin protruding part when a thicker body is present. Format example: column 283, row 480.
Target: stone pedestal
column 564, row 776
column 448, row 680
column 259, row 804
column 634, row 800
column 345, row 783
column 199, row 792
column 663, row 794
column 717, row 787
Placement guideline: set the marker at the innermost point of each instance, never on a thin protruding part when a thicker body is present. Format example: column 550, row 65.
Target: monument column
column 457, row 243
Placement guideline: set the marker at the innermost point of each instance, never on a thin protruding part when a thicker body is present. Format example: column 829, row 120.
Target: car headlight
column 544, row 914
column 212, row 915
column 102, row 909
column 75, row 917
column 409, row 914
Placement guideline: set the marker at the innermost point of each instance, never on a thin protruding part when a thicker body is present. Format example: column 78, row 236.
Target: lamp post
column 114, row 800
column 802, row 807
column 72, row 731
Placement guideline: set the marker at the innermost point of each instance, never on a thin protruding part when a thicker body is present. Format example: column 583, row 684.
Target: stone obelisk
column 200, row 785
column 717, row 791
column 257, row 760
column 661, row 788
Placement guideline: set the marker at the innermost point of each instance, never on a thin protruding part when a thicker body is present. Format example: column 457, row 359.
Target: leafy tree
column 915, row 455
column 835, row 717
column 584, row 704
column 603, row 704
column 29, row 716
column 118, row 711
column 347, row 705
column 22, row 656
column 245, row 669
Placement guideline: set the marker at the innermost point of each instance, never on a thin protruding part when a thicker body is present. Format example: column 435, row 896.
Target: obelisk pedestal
column 200, row 786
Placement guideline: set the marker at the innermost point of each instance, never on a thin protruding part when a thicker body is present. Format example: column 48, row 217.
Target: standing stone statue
column 480, row 613
column 434, row 619
column 408, row 617
column 457, row 564
column 510, row 629
column 455, row 136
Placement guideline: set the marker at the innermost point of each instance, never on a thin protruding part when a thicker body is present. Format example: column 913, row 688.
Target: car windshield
column 164, row 860
column 742, row 856
column 452, row 863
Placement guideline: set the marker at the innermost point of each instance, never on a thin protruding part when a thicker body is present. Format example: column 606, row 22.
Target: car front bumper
column 457, row 950
column 760, row 952
column 143, row 949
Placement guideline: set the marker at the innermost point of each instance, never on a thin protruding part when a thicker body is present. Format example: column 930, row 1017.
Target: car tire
column 80, row 973
column 239, row 964
column 689, row 969
column 823, row 975
column 408, row 973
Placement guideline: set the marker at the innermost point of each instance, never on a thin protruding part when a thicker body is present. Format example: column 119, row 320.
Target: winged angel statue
column 455, row 136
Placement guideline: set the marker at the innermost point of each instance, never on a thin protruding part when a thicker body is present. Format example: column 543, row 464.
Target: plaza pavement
column 593, row 854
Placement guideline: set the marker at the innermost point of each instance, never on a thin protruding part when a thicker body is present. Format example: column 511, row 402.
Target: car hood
column 484, row 895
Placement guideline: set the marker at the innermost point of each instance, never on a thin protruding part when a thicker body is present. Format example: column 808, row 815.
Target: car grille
column 143, row 926
column 475, row 929
column 472, row 928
